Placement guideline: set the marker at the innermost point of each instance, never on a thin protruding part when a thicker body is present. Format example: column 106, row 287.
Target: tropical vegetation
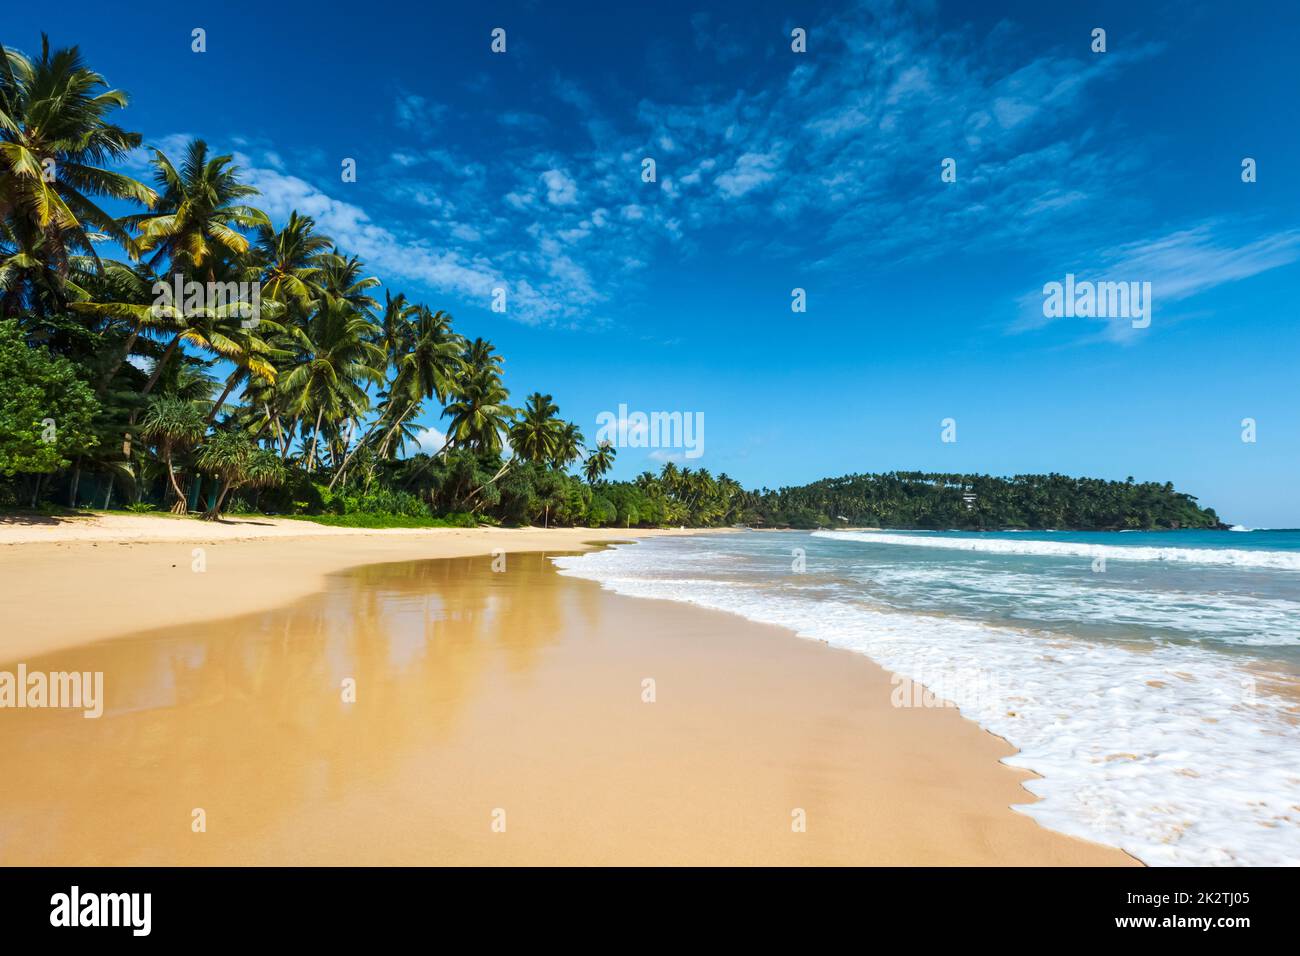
column 134, row 379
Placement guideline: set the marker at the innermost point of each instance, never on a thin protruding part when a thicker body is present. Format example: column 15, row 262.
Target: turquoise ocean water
column 1151, row 678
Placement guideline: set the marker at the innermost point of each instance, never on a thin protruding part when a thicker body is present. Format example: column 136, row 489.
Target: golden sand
column 499, row 718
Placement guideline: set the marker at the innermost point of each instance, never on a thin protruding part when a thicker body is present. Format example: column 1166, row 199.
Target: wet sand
column 84, row 579
column 485, row 698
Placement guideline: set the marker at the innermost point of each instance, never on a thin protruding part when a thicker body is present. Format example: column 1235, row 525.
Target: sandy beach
column 500, row 716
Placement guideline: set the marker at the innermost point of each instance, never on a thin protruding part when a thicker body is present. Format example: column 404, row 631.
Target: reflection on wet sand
column 479, row 692
column 245, row 718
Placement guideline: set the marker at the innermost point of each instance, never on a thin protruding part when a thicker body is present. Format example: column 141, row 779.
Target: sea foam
column 1177, row 754
column 1235, row 557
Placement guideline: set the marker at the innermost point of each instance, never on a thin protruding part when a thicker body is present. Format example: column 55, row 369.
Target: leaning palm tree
column 599, row 461
column 124, row 298
column 55, row 137
column 173, row 424
column 200, row 215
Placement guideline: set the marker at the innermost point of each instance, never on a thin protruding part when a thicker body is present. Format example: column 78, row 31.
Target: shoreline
column 135, row 573
column 751, row 720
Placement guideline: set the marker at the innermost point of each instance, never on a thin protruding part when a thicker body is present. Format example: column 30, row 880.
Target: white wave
column 1234, row 557
column 1177, row 754
column 1242, row 620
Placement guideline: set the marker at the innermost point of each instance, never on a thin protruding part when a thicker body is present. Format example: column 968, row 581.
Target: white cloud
column 429, row 440
column 751, row 171
column 561, row 190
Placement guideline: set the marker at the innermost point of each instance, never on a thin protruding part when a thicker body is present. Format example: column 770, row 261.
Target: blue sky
column 778, row 170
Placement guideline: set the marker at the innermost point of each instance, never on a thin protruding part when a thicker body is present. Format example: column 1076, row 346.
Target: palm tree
column 341, row 278
column 428, row 368
column 55, row 138
column 292, row 261
column 478, row 410
column 599, row 461
column 335, row 360
column 427, row 363
column 199, row 217
column 173, row 424
column 226, row 455
column 395, row 326
column 196, row 229
column 535, row 432
column 568, row 445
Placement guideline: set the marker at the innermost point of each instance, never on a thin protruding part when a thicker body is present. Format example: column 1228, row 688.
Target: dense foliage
column 45, row 410
column 919, row 500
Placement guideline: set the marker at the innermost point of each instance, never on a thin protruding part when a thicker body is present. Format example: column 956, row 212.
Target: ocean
column 1150, row 679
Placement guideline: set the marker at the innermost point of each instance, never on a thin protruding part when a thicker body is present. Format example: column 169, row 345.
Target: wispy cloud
column 1179, row 265
column 840, row 149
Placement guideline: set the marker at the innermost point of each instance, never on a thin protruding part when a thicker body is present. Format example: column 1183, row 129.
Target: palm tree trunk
column 216, row 406
column 148, row 387
column 315, row 434
column 121, row 360
column 357, row 447
column 158, row 368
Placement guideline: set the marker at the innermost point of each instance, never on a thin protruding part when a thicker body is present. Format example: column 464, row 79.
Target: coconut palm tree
column 478, row 410
column 341, row 277
column 125, row 298
column 199, row 217
column 535, row 432
column 173, row 424
column 55, row 137
column 395, row 326
column 568, row 445
column 329, row 371
column 599, row 461
column 292, row 261
column 426, row 357
column 428, row 368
